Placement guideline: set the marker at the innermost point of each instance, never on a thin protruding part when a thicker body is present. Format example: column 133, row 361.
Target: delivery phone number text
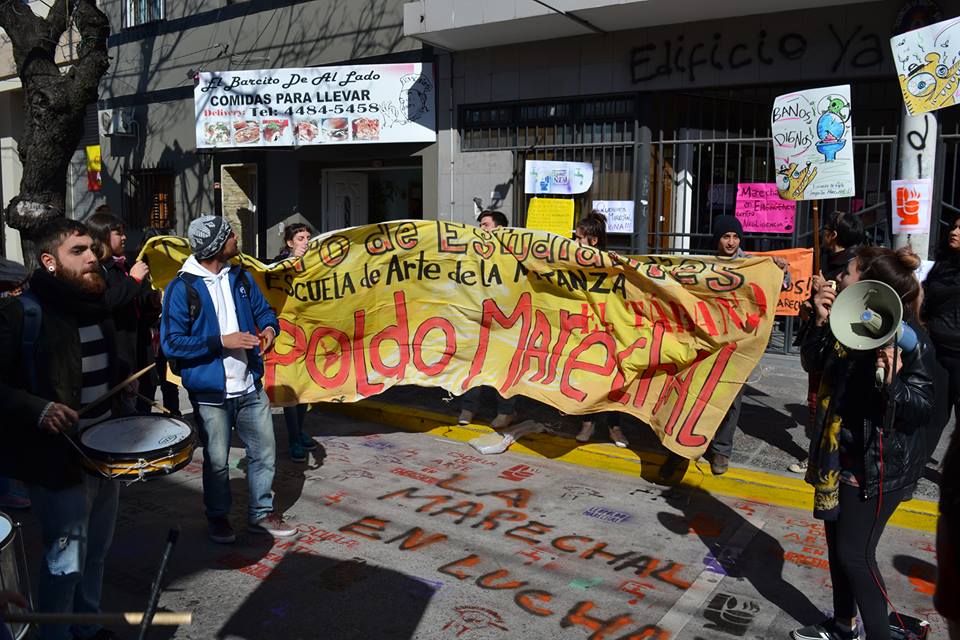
column 337, row 109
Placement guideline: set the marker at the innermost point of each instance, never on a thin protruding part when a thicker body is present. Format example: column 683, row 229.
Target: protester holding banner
column 296, row 239
column 840, row 238
column 128, row 296
column 591, row 231
column 488, row 220
column 217, row 334
column 727, row 237
column 860, row 468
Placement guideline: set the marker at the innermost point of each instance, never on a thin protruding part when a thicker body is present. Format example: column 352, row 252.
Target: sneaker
column 13, row 501
column 308, row 443
column 719, row 464
column 670, row 466
column 220, row 531
column 799, row 467
column 586, row 432
column 503, row 420
column 297, row 453
column 824, row 631
column 274, row 525
column 616, row 435
column 466, row 417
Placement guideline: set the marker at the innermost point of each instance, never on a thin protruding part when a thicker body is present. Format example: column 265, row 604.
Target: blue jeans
column 470, row 401
column 251, row 416
column 76, row 526
column 293, row 417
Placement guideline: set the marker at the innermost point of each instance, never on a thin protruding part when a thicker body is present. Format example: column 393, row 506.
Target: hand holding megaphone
column 823, row 300
column 869, row 315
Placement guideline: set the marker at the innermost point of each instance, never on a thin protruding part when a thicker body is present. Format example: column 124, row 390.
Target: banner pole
column 816, row 237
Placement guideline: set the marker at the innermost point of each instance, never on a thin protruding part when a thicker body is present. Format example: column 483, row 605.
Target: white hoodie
column 239, row 379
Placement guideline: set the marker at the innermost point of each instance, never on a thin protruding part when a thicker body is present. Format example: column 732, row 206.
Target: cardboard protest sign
column 928, row 66
column 761, row 209
column 551, row 214
column 812, row 144
column 619, row 214
column 800, row 263
column 669, row 339
column 558, row 178
column 912, row 203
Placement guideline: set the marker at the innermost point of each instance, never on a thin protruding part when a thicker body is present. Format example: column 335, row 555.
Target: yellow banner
column 667, row 339
column 551, row 214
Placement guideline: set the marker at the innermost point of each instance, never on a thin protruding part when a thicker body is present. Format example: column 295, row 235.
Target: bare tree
column 55, row 101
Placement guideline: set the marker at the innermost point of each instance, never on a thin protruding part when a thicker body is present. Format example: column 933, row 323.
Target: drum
column 13, row 569
column 137, row 447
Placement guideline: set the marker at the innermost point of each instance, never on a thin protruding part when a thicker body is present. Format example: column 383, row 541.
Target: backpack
column 193, row 312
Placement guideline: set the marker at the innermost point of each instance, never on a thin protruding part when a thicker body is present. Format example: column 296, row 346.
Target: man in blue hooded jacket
column 215, row 334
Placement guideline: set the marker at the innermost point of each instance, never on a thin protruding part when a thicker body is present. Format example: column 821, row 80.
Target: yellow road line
column 755, row 486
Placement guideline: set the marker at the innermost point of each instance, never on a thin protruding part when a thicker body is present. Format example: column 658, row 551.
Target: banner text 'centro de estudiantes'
column 669, row 340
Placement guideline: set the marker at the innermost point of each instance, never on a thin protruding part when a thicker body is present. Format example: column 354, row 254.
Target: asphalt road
column 409, row 536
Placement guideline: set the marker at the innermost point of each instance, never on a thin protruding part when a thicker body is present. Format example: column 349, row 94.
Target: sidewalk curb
column 756, row 486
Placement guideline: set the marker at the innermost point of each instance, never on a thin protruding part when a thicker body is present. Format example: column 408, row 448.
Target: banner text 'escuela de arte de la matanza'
column 667, row 339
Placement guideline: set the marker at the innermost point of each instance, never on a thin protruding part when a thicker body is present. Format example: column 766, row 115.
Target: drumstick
column 112, row 391
column 164, row 618
column 154, row 403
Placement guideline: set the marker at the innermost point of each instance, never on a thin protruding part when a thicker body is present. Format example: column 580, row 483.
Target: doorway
column 238, row 203
column 346, row 199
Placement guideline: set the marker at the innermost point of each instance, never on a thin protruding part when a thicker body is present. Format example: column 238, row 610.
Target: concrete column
column 917, row 159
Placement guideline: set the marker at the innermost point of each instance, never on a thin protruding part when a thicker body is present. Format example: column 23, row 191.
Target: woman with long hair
column 871, row 447
column 296, row 240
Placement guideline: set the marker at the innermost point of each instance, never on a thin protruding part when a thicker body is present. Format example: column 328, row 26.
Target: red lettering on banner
column 617, row 392
column 568, row 322
column 334, row 250
column 491, row 312
column 364, row 387
column 572, row 364
column 728, row 307
column 537, row 348
column 321, row 377
column 679, row 384
column 753, row 319
column 664, row 320
column 686, row 437
column 703, row 312
column 275, row 359
column 682, row 318
column 653, row 366
column 450, row 346
column 637, row 307
column 399, row 333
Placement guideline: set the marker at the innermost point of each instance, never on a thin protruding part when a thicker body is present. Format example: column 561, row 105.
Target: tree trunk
column 54, row 103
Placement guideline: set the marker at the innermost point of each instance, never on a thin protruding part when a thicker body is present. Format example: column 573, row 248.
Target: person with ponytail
column 592, row 232
column 870, row 450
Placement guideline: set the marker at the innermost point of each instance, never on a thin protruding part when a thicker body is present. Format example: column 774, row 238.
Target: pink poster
column 761, row 210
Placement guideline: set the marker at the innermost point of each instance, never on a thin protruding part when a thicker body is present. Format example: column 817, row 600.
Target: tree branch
column 58, row 18
column 93, row 58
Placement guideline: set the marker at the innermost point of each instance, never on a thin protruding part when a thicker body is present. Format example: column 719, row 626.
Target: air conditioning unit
column 117, row 122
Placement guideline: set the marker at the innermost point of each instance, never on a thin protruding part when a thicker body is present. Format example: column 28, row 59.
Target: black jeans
column 852, row 545
column 722, row 442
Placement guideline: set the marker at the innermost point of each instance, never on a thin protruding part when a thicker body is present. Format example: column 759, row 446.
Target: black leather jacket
column 863, row 407
column 941, row 305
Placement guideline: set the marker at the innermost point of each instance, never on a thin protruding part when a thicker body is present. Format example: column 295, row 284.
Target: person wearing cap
column 727, row 237
column 219, row 352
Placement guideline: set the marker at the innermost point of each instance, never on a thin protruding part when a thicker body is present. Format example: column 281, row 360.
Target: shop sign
column 619, row 214
column 354, row 104
column 560, row 178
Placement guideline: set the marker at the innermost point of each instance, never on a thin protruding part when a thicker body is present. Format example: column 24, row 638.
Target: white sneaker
column 616, row 435
column 799, row 467
column 466, row 417
column 503, row 420
column 586, row 432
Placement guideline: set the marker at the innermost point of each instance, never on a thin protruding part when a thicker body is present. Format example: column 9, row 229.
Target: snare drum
column 12, row 569
column 137, row 447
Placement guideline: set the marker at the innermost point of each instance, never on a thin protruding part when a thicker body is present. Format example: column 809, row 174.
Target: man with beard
column 51, row 367
column 216, row 324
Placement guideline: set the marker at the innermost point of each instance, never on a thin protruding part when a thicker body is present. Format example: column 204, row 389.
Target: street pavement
column 407, row 535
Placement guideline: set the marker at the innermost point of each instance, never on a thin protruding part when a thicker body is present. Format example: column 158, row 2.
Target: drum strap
column 32, row 320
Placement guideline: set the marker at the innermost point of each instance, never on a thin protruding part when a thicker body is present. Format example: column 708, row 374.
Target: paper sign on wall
column 912, row 201
column 551, row 214
column 761, row 209
column 561, row 178
column 813, row 145
column 928, row 66
column 619, row 214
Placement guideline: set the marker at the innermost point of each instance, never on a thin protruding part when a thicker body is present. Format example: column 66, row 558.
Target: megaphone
column 869, row 315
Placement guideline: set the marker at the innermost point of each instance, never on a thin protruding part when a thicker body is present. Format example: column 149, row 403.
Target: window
column 148, row 199
column 137, row 12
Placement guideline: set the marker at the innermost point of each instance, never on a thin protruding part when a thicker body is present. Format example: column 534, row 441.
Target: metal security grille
column 148, row 198
column 948, row 156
